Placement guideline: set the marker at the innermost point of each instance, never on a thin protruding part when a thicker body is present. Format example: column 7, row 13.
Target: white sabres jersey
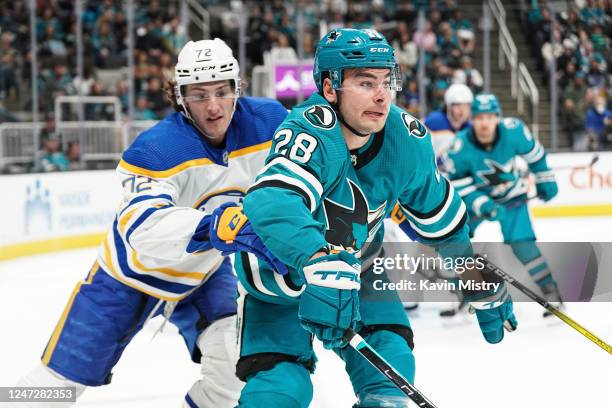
column 171, row 179
column 442, row 132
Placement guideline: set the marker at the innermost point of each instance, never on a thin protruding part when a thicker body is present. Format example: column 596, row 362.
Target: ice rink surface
column 544, row 364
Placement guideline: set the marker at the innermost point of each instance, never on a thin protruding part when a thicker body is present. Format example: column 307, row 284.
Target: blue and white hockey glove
column 546, row 185
column 492, row 211
column 493, row 308
column 231, row 231
column 330, row 302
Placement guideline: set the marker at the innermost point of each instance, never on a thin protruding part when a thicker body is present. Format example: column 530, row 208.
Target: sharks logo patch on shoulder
column 321, row 116
column 415, row 128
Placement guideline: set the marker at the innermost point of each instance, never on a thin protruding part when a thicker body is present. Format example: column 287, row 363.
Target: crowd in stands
column 158, row 38
column 448, row 38
column 582, row 51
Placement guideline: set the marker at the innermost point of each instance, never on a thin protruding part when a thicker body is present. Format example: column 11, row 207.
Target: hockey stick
column 552, row 309
column 594, row 160
column 512, row 204
column 362, row 347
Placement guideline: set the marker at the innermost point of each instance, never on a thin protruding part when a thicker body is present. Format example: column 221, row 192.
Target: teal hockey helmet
column 343, row 48
column 486, row 103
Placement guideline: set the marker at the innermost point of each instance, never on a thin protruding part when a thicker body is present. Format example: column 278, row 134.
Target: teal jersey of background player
column 313, row 192
column 480, row 172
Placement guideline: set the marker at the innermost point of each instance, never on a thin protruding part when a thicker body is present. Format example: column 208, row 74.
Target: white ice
column 544, row 364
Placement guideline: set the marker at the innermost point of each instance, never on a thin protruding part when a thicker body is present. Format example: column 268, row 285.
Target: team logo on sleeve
column 415, row 127
column 321, row 116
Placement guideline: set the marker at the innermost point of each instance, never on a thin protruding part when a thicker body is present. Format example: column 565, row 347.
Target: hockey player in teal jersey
column 338, row 164
column 482, row 167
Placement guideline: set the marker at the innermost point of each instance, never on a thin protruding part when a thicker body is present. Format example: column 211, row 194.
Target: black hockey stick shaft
column 594, row 160
column 552, row 309
column 362, row 347
column 511, row 204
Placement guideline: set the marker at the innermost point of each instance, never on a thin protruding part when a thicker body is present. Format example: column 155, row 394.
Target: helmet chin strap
column 336, row 107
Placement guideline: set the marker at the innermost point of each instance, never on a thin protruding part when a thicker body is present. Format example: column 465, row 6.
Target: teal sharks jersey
column 480, row 173
column 313, row 193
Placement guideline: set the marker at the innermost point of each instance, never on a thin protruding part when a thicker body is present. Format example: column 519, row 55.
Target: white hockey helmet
column 205, row 61
column 458, row 93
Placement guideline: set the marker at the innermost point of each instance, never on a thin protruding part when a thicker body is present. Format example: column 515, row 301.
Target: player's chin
column 374, row 126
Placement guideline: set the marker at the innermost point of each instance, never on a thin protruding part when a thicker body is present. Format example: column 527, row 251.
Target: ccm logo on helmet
column 208, row 68
column 377, row 49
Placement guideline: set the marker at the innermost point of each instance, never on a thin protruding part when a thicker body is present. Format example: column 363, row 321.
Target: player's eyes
column 366, row 84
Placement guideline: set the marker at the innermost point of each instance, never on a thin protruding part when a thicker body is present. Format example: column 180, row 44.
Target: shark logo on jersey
column 413, row 125
column 347, row 227
column 500, row 177
column 321, row 116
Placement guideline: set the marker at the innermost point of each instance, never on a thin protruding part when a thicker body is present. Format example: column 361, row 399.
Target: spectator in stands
column 573, row 109
column 428, row 38
column 592, row 14
column 155, row 97
column 281, row 50
column 51, row 45
column 467, row 41
column 410, row 98
column 598, row 122
column 51, row 158
column 596, row 75
column 48, row 19
column 105, row 45
column 459, row 22
column 142, row 111
column 599, row 40
column 569, row 56
column 173, row 36
column 123, row 95
column 166, row 66
column 98, row 111
column 469, row 76
column 406, row 50
column 84, row 84
column 447, row 40
column 55, row 83
column 73, row 154
column 9, row 63
column 147, row 38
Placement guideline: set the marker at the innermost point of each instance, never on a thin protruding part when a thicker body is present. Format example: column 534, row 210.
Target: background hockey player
column 338, row 165
column 161, row 254
column 482, row 167
column 444, row 124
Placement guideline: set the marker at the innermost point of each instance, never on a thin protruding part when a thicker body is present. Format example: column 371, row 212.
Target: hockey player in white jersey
column 181, row 181
column 444, row 124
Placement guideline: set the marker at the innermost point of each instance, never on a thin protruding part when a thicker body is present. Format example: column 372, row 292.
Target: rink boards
column 48, row 212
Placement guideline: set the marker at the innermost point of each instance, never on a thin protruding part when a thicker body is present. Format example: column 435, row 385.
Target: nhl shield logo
column 415, row 127
column 321, row 116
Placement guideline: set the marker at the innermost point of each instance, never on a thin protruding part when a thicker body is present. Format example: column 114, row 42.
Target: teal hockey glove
column 492, row 211
column 330, row 302
column 493, row 308
column 546, row 185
